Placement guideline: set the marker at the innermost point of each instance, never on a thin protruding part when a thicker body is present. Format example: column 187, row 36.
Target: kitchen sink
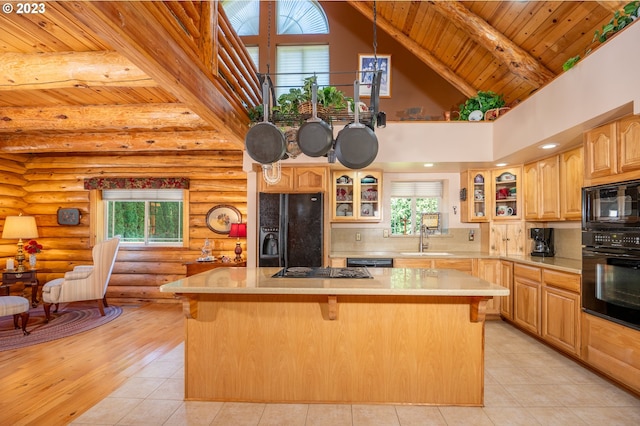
column 426, row 253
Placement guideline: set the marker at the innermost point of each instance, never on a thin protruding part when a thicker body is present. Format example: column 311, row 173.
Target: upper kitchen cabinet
column 356, row 196
column 571, row 182
column 474, row 186
column 553, row 187
column 506, row 192
column 298, row 180
column 542, row 189
column 612, row 152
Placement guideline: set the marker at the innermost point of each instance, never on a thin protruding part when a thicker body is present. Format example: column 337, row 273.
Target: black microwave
column 611, row 206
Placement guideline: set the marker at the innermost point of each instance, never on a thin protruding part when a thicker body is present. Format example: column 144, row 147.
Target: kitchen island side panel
column 379, row 349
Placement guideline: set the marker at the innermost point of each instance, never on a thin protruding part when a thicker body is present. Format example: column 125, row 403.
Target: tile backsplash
column 567, row 240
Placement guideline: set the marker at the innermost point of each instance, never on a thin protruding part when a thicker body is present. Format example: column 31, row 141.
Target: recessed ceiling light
column 428, row 164
column 549, row 146
column 501, row 164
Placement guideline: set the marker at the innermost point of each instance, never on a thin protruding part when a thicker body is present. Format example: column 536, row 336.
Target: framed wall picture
column 366, row 65
column 220, row 218
column 68, row 216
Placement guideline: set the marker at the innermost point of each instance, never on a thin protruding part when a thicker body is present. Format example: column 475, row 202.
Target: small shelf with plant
column 486, row 105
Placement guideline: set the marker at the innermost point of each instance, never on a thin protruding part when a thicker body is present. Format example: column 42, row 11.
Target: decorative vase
column 32, row 261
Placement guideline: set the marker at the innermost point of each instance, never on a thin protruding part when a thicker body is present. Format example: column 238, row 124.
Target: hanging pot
column 265, row 142
column 315, row 137
column 356, row 144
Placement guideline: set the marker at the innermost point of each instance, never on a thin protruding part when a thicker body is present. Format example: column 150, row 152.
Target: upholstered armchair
column 85, row 282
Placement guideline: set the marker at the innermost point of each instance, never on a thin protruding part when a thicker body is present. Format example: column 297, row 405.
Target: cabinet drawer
column 563, row 280
column 531, row 272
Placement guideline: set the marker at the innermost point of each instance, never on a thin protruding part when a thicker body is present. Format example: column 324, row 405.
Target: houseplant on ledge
column 483, row 102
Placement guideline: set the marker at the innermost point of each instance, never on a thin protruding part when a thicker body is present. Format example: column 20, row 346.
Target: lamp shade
column 17, row 227
column 238, row 230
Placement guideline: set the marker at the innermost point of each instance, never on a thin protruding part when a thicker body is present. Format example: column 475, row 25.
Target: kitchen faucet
column 424, row 234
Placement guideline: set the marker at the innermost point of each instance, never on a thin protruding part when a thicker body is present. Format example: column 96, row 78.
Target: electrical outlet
column 472, row 235
column 385, row 233
column 357, row 236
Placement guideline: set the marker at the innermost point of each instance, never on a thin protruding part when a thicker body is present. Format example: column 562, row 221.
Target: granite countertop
column 384, row 281
column 559, row 263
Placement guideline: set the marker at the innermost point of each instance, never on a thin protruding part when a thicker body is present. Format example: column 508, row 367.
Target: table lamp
column 19, row 227
column 238, row 230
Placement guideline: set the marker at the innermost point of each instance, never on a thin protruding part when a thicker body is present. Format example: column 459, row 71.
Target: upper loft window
column 244, row 16
column 301, row 17
column 293, row 17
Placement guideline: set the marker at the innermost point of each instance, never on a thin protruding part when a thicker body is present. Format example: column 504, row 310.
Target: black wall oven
column 611, row 276
column 611, row 252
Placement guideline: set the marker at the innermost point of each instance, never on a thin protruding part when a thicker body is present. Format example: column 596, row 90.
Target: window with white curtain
column 244, row 16
column 301, row 17
column 411, row 198
column 145, row 217
column 295, row 63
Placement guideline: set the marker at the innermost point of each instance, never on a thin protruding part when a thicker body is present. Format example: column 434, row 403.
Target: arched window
column 244, row 16
column 301, row 17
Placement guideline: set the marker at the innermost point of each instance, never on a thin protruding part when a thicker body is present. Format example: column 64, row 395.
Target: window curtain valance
column 136, row 183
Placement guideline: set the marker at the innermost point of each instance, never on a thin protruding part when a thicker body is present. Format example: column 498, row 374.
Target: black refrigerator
column 290, row 230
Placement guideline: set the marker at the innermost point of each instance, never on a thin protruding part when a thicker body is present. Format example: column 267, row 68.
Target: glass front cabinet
column 507, row 193
column 356, row 196
column 474, row 200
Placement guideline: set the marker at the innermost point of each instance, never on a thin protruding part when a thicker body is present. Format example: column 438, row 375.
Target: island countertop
column 384, row 281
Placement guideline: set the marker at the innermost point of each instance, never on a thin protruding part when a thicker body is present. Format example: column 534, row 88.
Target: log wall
column 38, row 185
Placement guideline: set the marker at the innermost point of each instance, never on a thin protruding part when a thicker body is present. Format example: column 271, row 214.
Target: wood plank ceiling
column 114, row 71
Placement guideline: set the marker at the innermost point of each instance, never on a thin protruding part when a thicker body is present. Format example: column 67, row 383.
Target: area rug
column 69, row 320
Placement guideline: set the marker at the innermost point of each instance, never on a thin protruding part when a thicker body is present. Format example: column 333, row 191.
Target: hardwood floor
column 53, row 383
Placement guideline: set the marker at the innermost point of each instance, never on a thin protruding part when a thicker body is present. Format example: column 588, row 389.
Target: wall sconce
column 19, row 227
column 238, row 230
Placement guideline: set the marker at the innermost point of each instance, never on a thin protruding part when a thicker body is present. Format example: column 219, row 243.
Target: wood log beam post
column 420, row 52
column 129, row 28
column 125, row 141
column 38, row 71
column 519, row 62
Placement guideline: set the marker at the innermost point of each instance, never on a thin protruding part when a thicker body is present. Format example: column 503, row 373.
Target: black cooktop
column 307, row 272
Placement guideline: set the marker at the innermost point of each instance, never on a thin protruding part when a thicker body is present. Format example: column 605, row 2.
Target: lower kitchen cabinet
column 560, row 318
column 464, row 265
column 527, row 281
column 506, row 280
column 490, row 270
column 561, row 310
column 612, row 348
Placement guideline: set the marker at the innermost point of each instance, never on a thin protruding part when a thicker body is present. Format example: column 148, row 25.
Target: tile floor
column 526, row 383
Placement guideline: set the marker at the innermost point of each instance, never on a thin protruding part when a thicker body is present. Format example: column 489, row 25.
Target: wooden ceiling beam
column 99, row 118
column 144, row 141
column 127, row 26
column 519, row 61
column 39, row 71
column 420, row 52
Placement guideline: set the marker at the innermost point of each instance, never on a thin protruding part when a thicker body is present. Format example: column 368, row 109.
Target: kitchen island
column 400, row 336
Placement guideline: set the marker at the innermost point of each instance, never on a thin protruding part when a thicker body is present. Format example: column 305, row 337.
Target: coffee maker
column 542, row 242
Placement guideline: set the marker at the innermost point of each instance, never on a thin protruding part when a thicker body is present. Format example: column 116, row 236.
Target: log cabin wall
column 38, row 185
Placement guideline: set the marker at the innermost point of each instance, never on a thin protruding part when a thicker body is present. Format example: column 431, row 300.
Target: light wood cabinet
column 628, row 144
column 298, row 180
column 571, row 183
column 542, row 189
column 611, row 348
column 506, row 193
column 600, row 151
column 490, row 270
column 527, row 283
column 531, row 191
column 464, row 265
column 506, row 280
column 612, row 151
column 507, row 239
column 561, row 310
column 356, row 196
column 474, row 199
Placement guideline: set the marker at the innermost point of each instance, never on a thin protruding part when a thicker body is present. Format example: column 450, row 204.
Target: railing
column 205, row 28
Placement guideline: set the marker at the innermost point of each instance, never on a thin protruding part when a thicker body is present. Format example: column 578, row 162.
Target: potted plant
column 483, row 102
column 621, row 18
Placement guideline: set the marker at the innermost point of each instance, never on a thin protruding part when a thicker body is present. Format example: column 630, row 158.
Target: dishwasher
column 378, row 262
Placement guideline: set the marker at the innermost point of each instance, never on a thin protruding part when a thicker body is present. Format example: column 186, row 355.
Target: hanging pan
column 356, row 144
column 315, row 137
column 265, row 142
